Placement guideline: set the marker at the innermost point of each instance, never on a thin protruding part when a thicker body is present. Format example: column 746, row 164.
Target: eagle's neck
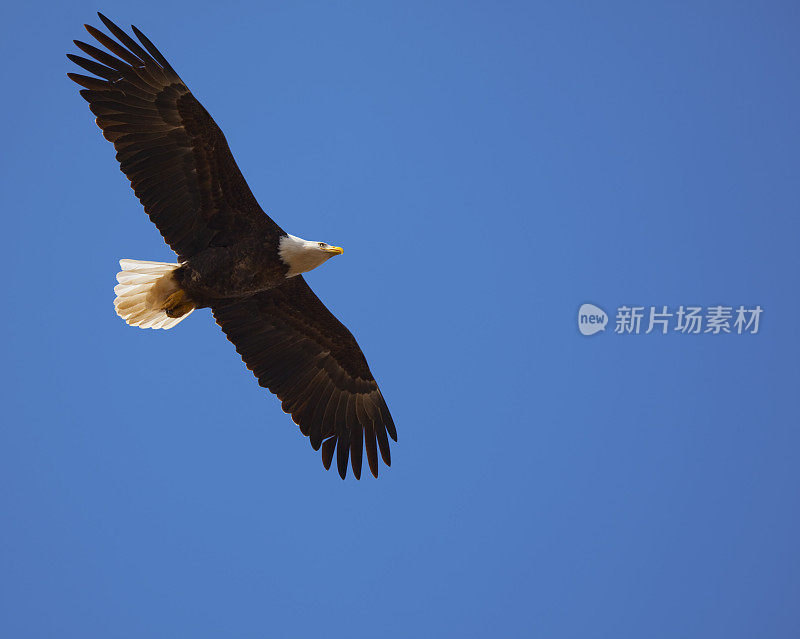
column 300, row 255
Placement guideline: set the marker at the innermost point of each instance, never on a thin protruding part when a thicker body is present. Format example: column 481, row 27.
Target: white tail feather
column 142, row 290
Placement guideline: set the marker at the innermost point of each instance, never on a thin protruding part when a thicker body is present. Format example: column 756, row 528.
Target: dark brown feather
column 327, row 452
column 94, row 67
column 126, row 40
column 303, row 354
column 139, row 94
column 101, row 56
column 342, row 455
column 356, row 436
column 90, row 83
column 113, row 46
column 152, row 49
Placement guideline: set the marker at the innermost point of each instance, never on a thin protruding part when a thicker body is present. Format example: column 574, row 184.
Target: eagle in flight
column 232, row 257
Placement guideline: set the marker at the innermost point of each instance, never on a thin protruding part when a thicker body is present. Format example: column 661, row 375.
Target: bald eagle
column 232, row 257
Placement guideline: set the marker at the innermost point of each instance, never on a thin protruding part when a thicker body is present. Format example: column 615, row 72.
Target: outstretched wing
column 298, row 350
column 169, row 147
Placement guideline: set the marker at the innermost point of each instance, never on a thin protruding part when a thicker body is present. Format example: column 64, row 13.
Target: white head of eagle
column 303, row 255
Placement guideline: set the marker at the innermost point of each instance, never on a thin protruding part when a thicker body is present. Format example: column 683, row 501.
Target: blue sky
column 488, row 167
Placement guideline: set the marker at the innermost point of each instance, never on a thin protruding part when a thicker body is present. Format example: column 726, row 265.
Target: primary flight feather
column 232, row 257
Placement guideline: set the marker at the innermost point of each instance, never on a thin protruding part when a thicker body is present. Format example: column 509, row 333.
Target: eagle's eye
column 322, row 245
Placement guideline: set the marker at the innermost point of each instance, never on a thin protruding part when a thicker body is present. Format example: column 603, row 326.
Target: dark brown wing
column 298, row 350
column 169, row 147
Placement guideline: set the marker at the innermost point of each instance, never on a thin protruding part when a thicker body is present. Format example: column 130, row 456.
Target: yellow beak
column 335, row 250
